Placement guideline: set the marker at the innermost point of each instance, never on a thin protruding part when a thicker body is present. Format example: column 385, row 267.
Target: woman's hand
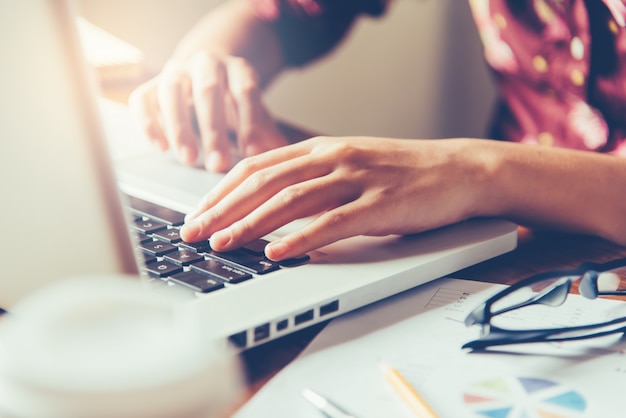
column 195, row 106
column 354, row 186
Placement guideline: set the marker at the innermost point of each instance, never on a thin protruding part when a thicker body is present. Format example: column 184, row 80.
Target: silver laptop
column 63, row 214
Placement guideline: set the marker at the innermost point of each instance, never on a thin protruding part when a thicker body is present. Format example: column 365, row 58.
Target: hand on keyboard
column 194, row 264
column 195, row 106
column 352, row 185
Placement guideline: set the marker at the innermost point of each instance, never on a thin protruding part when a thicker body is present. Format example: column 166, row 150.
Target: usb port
column 261, row 332
column 304, row 317
column 329, row 308
column 282, row 324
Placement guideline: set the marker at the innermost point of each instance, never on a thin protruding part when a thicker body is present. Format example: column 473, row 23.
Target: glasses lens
column 533, row 307
column 609, row 281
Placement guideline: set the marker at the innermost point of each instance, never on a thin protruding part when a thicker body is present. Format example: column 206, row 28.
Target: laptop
column 71, row 207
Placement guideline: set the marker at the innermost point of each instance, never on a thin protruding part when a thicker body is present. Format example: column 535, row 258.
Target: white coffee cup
column 103, row 347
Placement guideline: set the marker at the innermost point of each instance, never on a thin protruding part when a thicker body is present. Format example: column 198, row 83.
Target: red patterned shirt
column 560, row 65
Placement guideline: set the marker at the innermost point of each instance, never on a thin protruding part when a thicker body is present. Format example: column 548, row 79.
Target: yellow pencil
column 407, row 392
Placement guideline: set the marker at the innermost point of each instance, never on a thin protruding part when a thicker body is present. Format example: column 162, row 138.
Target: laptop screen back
column 60, row 212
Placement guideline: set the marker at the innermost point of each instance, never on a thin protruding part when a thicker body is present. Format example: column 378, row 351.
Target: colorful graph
column 523, row 397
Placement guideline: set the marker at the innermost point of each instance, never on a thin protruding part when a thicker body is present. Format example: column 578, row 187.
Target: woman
column 559, row 66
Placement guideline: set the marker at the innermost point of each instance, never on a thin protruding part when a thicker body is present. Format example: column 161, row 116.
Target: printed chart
column 523, row 397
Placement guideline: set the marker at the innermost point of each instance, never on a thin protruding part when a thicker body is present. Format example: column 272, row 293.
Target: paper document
column 420, row 333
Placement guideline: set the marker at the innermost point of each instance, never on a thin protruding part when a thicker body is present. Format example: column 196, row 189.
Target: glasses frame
column 587, row 273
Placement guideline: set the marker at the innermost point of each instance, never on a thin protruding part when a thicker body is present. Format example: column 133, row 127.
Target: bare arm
column 233, row 29
column 380, row 186
column 208, row 96
column 572, row 190
column 210, row 90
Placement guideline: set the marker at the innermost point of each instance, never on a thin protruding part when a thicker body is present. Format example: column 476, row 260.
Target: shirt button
column 576, row 48
column 540, row 64
column 613, row 27
column 577, row 77
column 546, row 139
column 500, row 21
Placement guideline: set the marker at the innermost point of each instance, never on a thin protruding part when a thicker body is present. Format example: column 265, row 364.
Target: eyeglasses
column 518, row 313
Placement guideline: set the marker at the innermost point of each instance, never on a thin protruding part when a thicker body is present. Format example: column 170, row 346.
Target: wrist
column 483, row 163
column 232, row 29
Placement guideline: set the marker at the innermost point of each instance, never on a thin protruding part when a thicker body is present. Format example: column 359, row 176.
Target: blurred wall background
column 417, row 72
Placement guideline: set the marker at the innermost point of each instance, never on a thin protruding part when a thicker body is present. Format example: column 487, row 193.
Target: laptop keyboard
column 194, row 265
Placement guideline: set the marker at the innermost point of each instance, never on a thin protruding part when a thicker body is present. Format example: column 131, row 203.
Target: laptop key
column 199, row 247
column 147, row 259
column 171, row 235
column 147, row 227
column 162, row 269
column 183, row 257
column 295, row 261
column 222, row 271
column 197, row 281
column 156, row 212
column 246, row 261
column 141, row 239
column 157, row 248
column 256, row 247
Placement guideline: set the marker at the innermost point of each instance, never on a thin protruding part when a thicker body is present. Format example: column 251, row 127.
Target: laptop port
column 281, row 325
column 239, row 340
column 329, row 308
column 261, row 332
column 304, row 317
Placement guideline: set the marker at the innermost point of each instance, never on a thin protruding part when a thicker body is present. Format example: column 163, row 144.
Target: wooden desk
column 537, row 251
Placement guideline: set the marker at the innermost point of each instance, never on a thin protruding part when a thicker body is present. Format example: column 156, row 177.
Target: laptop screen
column 60, row 208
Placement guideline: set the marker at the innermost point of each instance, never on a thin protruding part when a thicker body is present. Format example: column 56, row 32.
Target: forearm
column 379, row 186
column 565, row 189
column 234, row 29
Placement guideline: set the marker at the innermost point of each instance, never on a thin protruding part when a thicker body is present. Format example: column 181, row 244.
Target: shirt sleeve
column 307, row 29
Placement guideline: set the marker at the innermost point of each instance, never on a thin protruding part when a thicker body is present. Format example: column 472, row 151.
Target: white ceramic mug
column 104, row 347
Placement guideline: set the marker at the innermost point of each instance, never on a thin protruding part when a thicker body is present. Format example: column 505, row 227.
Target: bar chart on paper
column 523, row 397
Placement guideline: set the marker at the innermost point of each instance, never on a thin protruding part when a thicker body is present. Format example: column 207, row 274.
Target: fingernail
column 221, row 239
column 215, row 161
column 186, row 154
column 276, row 250
column 158, row 144
column 190, row 230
